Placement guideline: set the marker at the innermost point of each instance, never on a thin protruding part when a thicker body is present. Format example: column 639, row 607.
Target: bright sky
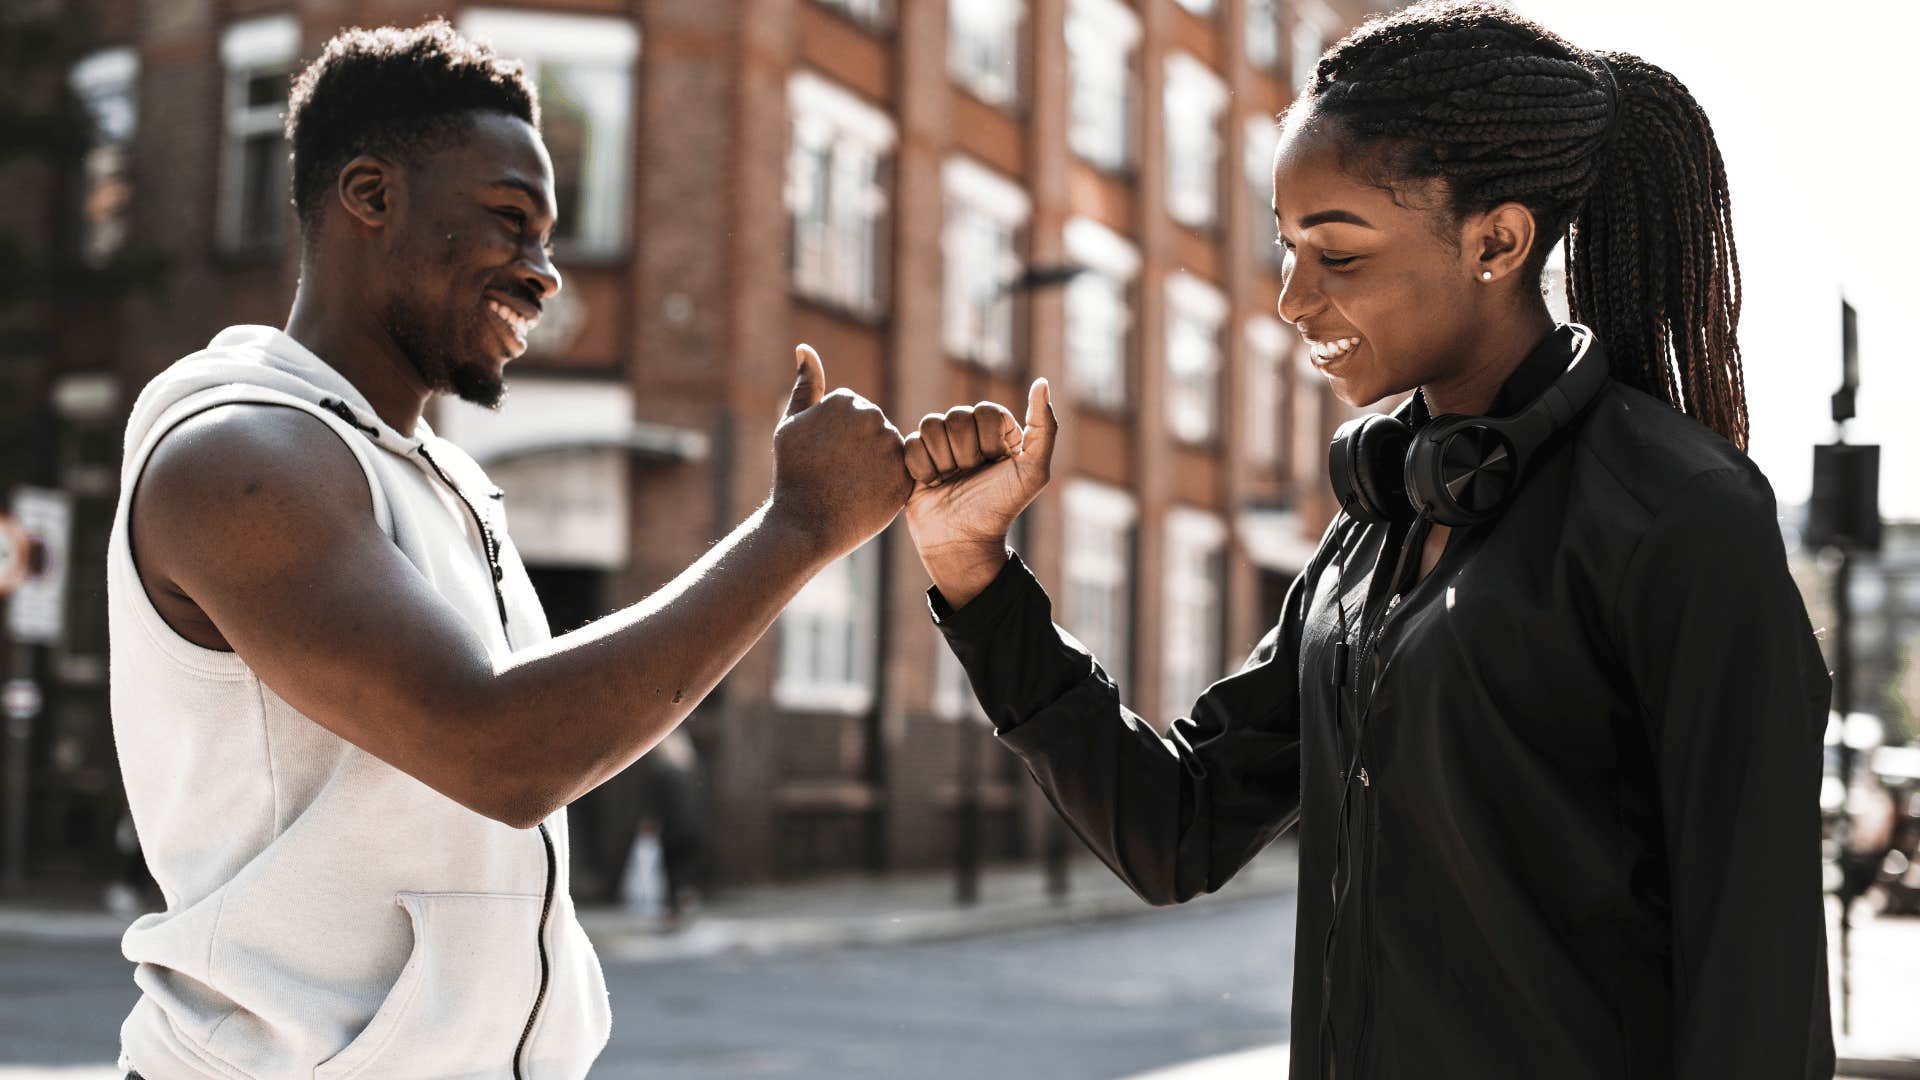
column 1815, row 108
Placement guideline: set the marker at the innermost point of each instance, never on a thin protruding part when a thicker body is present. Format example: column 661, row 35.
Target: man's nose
column 540, row 275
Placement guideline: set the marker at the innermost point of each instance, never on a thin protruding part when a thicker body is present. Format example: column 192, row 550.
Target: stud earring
column 1486, row 275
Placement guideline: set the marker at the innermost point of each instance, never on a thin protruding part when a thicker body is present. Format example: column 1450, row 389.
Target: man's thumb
column 1042, row 425
column 809, row 383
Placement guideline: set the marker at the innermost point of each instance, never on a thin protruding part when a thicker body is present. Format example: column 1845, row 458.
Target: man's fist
column 974, row 470
column 837, row 472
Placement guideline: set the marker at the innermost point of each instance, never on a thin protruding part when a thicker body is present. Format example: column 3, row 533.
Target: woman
column 1545, row 705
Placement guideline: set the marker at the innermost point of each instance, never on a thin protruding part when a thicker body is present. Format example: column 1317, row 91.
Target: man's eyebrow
column 534, row 195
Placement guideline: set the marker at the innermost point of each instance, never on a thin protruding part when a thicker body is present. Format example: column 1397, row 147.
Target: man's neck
column 1498, row 353
column 347, row 334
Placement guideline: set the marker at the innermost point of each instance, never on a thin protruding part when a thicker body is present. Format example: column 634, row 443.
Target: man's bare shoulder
column 240, row 488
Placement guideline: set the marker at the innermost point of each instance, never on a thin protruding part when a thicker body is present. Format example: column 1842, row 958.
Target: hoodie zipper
column 491, row 545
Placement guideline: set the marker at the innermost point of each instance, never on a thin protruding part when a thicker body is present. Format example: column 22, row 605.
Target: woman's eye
column 517, row 217
column 1333, row 263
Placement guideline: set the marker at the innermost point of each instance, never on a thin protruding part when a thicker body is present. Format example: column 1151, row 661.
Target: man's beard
column 442, row 370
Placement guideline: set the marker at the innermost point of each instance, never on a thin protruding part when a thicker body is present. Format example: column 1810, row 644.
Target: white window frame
column 1101, row 38
column 829, row 638
column 980, row 242
column 600, row 52
column 1194, row 97
column 1097, row 600
column 1262, row 34
column 983, row 48
column 250, row 49
column 870, row 13
column 1315, row 26
column 107, row 83
column 1196, row 311
column 1099, row 317
column 845, row 144
column 1304, row 410
column 1259, row 138
column 1266, row 373
column 1193, row 595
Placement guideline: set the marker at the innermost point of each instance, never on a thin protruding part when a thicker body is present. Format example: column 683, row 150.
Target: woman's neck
column 1497, row 352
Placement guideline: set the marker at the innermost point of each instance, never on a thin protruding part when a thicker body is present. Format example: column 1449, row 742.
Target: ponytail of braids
column 1608, row 151
column 1651, row 264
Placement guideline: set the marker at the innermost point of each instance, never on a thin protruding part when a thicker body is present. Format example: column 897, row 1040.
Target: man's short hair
column 396, row 93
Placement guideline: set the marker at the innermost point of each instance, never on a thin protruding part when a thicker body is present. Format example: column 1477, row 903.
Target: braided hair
column 1606, row 150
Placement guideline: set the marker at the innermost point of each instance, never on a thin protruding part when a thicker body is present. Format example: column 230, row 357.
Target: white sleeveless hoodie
column 329, row 916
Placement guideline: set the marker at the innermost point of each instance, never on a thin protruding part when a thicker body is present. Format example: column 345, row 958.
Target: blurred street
column 1094, row 1000
column 883, row 978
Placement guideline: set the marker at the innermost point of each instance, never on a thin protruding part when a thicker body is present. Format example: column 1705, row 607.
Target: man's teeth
column 516, row 322
column 1323, row 351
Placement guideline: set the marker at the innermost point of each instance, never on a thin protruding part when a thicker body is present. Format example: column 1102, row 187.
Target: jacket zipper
column 491, row 545
column 1362, row 1050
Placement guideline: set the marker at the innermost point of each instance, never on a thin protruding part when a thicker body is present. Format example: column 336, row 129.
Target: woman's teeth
column 516, row 322
column 1325, row 352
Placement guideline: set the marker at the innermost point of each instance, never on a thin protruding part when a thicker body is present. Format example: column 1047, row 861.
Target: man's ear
column 369, row 190
column 1496, row 243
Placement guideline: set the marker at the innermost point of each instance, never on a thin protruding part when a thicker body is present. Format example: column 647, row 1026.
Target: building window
column 1314, row 28
column 983, row 48
column 829, row 637
column 1099, row 317
column 1261, row 137
column 985, row 214
column 1266, row 374
column 1263, row 34
column 258, row 57
column 1195, row 312
column 836, row 194
column 870, row 13
column 583, row 66
column 107, row 85
column 1191, row 659
column 1097, row 602
column 1194, row 97
column 1101, row 35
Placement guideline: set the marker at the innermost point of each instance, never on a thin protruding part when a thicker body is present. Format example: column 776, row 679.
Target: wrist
column 962, row 570
column 798, row 530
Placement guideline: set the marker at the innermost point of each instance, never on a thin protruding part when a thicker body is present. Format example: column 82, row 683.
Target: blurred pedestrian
column 1545, row 704
column 347, row 739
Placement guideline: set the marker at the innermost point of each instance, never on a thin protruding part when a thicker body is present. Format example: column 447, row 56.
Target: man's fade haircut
column 394, row 92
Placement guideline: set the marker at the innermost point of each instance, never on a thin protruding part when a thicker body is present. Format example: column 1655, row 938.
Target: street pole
column 19, row 717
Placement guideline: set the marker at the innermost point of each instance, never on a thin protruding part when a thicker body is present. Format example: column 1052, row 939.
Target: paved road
column 1090, row 1002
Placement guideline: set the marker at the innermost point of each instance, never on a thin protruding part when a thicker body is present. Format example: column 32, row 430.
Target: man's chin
column 480, row 384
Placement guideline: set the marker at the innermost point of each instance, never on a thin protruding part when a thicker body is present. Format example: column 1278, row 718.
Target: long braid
column 1608, row 151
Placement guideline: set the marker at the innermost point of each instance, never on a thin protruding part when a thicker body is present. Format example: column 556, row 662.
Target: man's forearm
column 566, row 716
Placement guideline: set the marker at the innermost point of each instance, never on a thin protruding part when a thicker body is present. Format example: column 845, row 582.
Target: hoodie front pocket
column 458, row 1006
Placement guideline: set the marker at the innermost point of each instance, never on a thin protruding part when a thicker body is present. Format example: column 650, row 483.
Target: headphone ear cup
column 1367, row 463
column 1461, row 470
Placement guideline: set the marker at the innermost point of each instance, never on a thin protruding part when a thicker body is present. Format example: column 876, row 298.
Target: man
column 346, row 738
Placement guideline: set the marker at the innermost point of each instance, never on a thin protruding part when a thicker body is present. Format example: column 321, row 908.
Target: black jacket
column 1582, row 839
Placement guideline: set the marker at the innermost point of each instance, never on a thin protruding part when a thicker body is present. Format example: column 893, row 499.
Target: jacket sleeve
column 1733, row 691
column 1174, row 817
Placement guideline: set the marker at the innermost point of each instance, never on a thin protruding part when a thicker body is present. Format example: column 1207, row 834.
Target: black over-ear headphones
column 1454, row 469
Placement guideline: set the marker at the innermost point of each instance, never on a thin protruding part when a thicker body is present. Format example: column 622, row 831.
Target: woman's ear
column 367, row 189
column 1496, row 243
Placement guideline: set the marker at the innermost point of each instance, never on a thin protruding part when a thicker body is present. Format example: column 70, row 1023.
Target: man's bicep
column 263, row 518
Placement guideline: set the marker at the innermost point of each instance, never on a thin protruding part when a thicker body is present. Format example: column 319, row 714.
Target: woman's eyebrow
column 1329, row 217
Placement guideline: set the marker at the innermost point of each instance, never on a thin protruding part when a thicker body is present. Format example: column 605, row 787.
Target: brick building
column 876, row 177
